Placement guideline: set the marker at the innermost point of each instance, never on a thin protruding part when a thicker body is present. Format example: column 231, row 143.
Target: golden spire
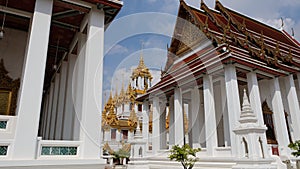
column 103, row 122
column 132, row 120
column 141, row 70
column 116, row 96
column 109, row 103
column 129, row 95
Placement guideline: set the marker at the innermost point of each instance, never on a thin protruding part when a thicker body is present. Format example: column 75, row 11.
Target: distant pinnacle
column 247, row 115
column 246, row 104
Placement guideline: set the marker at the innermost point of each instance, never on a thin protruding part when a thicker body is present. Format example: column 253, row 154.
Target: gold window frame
column 6, row 97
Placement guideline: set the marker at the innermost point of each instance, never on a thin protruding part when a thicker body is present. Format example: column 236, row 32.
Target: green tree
column 120, row 155
column 185, row 155
column 295, row 146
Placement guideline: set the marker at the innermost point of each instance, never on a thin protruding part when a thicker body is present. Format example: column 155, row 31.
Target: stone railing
column 7, row 133
column 7, row 126
column 58, row 149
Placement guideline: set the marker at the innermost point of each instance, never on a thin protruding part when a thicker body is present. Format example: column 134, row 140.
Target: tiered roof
column 207, row 38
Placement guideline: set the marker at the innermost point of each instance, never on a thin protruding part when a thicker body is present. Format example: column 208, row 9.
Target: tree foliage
column 121, row 153
column 295, row 146
column 185, row 155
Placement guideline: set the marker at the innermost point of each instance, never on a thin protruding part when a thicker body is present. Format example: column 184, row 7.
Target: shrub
column 185, row 155
column 295, row 146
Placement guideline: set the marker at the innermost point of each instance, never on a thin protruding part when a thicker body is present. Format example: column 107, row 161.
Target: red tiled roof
column 266, row 48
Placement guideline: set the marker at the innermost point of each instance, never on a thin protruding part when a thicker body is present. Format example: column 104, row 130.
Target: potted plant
column 185, row 155
column 120, row 155
column 296, row 147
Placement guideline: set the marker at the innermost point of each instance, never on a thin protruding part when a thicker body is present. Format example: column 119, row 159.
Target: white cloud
column 117, row 49
column 151, row 1
column 155, row 42
column 276, row 23
column 156, row 74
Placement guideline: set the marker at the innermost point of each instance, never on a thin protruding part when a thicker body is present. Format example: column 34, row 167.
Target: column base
column 255, row 164
column 196, row 145
column 54, row 164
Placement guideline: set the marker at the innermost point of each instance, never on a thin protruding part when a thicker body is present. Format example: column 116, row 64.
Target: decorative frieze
column 3, row 124
column 54, row 150
column 3, row 150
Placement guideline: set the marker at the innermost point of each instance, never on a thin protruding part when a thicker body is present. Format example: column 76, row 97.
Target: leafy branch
column 295, row 146
column 185, row 155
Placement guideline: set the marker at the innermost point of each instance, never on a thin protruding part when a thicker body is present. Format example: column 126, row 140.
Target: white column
column 107, row 135
column 225, row 113
column 48, row 121
column 61, row 101
column 130, row 135
column 54, row 107
column 233, row 103
column 210, row 115
column 202, row 136
column 69, row 111
column 118, row 135
column 31, row 90
column 171, row 123
column 178, row 117
column 279, row 117
column 92, row 86
column 293, row 105
column 194, row 122
column 254, row 96
column 255, row 102
column 190, row 124
column 156, row 126
column 77, row 84
column 146, row 123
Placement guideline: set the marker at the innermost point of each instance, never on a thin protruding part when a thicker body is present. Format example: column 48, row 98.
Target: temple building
column 51, row 68
column 122, row 113
column 239, row 80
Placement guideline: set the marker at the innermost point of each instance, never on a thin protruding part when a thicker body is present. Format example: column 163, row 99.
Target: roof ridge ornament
column 282, row 23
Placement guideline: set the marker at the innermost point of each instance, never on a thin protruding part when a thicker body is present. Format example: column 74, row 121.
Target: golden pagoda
column 119, row 111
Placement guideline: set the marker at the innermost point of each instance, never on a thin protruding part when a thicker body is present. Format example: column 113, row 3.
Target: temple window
column 140, row 107
column 268, row 120
column 113, row 134
column 124, row 134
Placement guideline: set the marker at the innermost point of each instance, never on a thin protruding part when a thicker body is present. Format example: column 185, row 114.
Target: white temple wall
column 283, row 95
column 12, row 48
column 296, row 81
column 264, row 91
column 126, row 110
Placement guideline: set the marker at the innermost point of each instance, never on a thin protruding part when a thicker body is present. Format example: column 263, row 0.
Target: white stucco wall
column 12, row 50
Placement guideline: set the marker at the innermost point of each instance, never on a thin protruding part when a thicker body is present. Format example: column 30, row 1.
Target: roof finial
column 282, row 23
column 293, row 33
column 141, row 55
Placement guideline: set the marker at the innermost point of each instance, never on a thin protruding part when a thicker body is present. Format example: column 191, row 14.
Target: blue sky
column 151, row 22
